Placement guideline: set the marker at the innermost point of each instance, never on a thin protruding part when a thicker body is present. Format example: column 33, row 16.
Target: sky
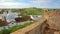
column 29, row 3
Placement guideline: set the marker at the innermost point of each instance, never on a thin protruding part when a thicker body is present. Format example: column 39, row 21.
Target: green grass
column 32, row 12
column 14, row 28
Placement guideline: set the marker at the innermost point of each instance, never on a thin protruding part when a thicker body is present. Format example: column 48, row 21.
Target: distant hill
column 33, row 11
column 27, row 11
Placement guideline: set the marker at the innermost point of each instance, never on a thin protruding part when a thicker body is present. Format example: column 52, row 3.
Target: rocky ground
column 53, row 23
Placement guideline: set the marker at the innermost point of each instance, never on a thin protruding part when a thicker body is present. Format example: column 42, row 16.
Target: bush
column 20, row 26
column 5, row 31
column 3, row 23
column 14, row 28
column 23, row 18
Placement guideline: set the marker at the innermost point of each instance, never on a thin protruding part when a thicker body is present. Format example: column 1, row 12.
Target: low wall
column 35, row 28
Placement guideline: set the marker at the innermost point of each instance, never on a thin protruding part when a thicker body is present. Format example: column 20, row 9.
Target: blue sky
column 29, row 3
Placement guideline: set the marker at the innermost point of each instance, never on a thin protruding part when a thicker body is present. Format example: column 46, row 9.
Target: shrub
column 23, row 18
column 14, row 28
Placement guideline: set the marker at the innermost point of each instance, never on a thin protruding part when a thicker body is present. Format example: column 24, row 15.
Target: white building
column 10, row 17
column 35, row 17
column 4, row 16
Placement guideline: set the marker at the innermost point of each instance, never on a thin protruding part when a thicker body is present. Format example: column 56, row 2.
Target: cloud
column 40, row 0
column 29, row 3
column 13, row 5
column 6, row 0
column 41, row 3
column 46, row 3
column 57, row 5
